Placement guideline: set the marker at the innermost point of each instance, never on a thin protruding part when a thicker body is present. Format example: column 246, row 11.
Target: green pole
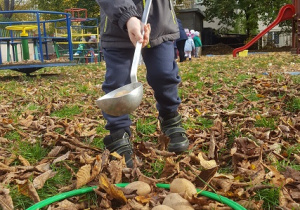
column 16, row 53
column 8, row 51
column 56, row 50
column 25, row 49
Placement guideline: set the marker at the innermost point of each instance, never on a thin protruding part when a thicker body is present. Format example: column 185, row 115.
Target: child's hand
column 147, row 30
column 134, row 31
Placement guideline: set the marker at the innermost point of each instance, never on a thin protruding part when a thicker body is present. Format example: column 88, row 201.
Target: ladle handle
column 138, row 46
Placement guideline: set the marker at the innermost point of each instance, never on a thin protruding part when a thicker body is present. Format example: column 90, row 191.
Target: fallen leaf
column 40, row 180
column 61, row 158
column 111, row 189
column 83, row 175
column 26, row 188
column 23, row 161
column 207, row 164
column 5, row 200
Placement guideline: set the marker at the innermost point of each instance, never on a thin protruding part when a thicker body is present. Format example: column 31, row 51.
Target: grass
column 67, row 112
column 234, row 133
column 13, row 136
column 31, row 152
column 146, row 125
column 157, row 167
column 98, row 142
column 294, row 149
column 269, row 196
column 198, row 123
column 293, row 105
column 20, row 201
column 266, row 122
column 283, row 164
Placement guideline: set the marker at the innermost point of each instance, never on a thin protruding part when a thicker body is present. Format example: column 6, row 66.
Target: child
column 80, row 48
column 189, row 47
column 120, row 31
column 198, row 44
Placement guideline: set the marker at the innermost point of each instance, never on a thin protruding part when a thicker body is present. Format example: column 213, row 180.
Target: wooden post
column 296, row 28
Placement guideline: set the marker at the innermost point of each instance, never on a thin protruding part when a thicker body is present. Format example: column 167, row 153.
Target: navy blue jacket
column 183, row 35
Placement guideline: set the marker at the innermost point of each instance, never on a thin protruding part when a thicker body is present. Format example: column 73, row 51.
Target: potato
column 175, row 201
column 142, row 187
column 162, row 207
column 121, row 93
column 183, row 186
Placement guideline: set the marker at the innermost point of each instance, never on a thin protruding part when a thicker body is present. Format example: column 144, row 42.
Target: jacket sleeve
column 119, row 11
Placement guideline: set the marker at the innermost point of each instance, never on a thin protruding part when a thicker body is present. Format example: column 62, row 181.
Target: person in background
column 120, row 31
column 189, row 47
column 198, row 44
column 187, row 31
column 92, row 42
column 92, row 45
column 192, row 32
column 81, row 47
column 181, row 41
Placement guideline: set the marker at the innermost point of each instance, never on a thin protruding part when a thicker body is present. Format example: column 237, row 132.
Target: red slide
column 285, row 13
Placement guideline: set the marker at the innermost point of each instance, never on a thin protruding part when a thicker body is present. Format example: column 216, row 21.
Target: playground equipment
column 24, row 33
column 19, row 35
column 84, row 32
column 287, row 12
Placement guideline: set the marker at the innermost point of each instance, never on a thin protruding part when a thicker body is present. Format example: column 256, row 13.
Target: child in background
column 192, row 32
column 187, row 32
column 198, row 44
column 189, row 47
column 80, row 48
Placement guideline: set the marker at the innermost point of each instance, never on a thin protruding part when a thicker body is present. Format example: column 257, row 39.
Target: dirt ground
column 223, row 49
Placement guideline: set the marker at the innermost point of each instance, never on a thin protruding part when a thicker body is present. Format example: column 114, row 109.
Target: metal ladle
column 126, row 99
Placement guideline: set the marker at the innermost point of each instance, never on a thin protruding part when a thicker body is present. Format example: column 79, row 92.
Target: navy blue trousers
column 162, row 76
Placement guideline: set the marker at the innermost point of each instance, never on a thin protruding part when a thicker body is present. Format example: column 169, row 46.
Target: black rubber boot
column 119, row 142
column 171, row 127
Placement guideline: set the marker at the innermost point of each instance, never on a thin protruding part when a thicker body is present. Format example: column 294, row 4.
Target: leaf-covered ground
column 241, row 116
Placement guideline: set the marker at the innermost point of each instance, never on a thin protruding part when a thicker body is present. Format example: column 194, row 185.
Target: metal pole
column 0, row 54
column 46, row 41
column 40, row 37
column 70, row 44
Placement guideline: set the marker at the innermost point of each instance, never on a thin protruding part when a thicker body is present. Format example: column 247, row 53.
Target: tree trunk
column 9, row 5
column 247, row 25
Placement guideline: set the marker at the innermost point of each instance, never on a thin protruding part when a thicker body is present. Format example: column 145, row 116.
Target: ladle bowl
column 115, row 105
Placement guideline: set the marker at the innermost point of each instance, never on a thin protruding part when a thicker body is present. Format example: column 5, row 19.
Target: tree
column 7, row 5
column 244, row 13
column 60, row 6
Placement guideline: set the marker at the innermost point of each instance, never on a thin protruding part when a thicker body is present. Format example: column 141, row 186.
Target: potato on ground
column 142, row 188
column 175, row 201
column 183, row 186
